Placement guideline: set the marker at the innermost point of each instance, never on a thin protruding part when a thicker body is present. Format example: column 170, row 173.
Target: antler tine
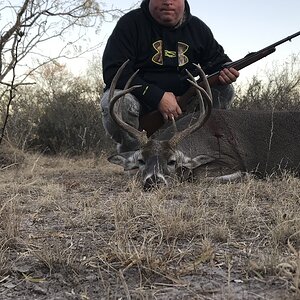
column 200, row 88
column 207, row 90
column 174, row 125
column 204, row 80
column 116, row 78
column 130, row 79
column 140, row 136
column 203, row 116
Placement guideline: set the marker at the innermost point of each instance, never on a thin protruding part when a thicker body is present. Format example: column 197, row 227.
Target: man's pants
column 130, row 109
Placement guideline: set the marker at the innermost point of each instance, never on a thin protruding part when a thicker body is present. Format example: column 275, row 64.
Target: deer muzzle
column 154, row 181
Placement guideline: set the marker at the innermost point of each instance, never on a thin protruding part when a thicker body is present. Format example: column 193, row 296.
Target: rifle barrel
column 288, row 38
column 253, row 56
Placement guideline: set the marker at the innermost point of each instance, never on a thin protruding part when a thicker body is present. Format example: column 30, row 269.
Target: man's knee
column 109, row 125
column 128, row 107
column 129, row 110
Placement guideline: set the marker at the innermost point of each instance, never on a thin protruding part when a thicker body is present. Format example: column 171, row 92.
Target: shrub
column 70, row 125
column 279, row 91
column 57, row 116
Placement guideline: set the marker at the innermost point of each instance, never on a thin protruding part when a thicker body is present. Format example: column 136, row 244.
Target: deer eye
column 141, row 162
column 172, row 162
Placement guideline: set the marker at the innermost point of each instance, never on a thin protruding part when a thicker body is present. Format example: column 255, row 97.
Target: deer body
column 247, row 141
column 222, row 144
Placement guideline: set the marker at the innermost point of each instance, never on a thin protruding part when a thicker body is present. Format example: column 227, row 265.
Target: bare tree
column 28, row 27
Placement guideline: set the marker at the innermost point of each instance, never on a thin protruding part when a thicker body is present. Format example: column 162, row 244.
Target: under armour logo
column 158, row 57
column 182, row 58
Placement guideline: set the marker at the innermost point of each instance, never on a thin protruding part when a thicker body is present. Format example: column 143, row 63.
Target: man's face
column 167, row 12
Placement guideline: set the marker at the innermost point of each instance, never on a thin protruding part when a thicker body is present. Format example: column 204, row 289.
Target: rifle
column 152, row 121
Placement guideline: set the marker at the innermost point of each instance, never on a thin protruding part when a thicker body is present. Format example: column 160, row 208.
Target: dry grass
column 80, row 229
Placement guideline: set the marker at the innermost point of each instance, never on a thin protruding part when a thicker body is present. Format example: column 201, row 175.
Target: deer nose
column 153, row 182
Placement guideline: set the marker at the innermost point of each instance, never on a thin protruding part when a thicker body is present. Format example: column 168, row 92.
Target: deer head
column 157, row 161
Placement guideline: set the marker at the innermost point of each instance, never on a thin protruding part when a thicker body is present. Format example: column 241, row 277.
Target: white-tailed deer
column 223, row 144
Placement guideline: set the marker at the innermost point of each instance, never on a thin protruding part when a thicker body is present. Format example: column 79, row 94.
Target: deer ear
column 126, row 160
column 200, row 160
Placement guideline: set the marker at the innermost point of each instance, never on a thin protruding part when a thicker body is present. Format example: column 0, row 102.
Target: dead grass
column 10, row 156
column 80, row 229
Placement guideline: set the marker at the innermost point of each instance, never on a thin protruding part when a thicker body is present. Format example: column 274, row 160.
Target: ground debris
column 76, row 229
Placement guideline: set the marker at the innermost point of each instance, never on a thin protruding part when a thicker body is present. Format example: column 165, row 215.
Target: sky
column 241, row 26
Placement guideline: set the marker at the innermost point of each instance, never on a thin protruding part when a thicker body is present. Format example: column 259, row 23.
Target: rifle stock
column 154, row 120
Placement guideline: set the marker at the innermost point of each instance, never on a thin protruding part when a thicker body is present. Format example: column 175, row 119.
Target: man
column 163, row 40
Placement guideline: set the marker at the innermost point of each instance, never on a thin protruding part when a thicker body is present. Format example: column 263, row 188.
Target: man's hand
column 228, row 76
column 169, row 107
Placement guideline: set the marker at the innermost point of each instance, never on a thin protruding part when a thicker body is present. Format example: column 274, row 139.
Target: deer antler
column 141, row 136
column 207, row 107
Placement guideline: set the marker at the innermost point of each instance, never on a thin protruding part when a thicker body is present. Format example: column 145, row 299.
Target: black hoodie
column 160, row 53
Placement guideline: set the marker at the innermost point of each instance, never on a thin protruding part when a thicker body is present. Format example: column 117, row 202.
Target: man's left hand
column 228, row 76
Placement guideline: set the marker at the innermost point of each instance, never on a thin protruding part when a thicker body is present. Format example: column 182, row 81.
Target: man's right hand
column 169, row 107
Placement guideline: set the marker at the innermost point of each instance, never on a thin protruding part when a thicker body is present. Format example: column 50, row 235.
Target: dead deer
column 221, row 144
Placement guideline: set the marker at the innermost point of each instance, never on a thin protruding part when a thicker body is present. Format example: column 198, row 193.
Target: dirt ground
column 81, row 229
